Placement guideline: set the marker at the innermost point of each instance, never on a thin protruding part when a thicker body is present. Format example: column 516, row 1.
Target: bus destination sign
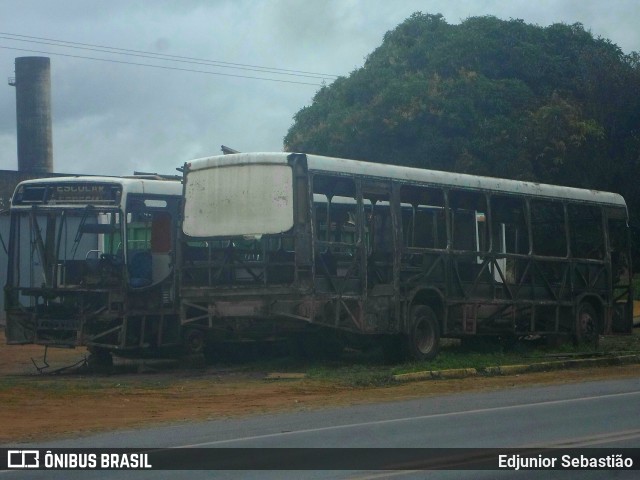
column 60, row 193
column 84, row 193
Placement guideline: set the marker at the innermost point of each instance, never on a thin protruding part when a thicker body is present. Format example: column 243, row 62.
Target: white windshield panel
column 249, row 200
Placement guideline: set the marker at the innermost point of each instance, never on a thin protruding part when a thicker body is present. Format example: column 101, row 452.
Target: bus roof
column 317, row 163
column 131, row 184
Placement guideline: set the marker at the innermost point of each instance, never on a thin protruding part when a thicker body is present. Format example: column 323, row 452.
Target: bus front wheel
column 100, row 360
column 424, row 334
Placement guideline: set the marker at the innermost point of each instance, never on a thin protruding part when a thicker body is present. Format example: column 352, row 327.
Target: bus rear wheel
column 424, row 333
column 587, row 330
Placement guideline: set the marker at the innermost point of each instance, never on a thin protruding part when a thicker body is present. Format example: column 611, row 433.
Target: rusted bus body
column 91, row 263
column 275, row 243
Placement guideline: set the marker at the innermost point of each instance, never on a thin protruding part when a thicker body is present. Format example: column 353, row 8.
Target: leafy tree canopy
column 490, row 97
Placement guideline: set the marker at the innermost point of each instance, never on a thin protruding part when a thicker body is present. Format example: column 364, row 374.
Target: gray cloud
column 113, row 118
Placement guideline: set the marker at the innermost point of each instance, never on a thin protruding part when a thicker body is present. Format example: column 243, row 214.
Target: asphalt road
column 600, row 414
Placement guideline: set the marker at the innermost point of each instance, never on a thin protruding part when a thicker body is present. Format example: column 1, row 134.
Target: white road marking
column 407, row 419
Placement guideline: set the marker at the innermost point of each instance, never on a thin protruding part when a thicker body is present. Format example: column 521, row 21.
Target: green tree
column 488, row 96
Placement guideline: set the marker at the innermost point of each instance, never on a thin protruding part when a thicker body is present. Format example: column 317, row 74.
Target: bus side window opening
column 510, row 235
column 423, row 217
column 469, row 226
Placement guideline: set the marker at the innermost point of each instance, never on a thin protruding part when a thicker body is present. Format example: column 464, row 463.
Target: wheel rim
column 587, row 324
column 424, row 336
column 195, row 341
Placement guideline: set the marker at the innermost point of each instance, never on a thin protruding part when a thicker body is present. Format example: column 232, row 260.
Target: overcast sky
column 113, row 118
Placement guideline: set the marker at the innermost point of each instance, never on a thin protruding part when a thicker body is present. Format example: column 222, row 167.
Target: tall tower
column 33, row 114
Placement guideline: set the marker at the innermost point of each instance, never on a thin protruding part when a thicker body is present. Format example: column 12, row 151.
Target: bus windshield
column 67, row 247
column 91, row 263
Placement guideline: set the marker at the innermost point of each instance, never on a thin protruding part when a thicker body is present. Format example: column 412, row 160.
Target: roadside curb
column 516, row 369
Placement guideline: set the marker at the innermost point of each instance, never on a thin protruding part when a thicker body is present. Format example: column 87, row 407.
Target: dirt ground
column 34, row 407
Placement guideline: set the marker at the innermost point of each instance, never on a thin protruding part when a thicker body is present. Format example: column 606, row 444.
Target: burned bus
column 91, row 264
column 275, row 243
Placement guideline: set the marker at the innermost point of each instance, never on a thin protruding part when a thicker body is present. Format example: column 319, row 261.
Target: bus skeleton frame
column 91, row 264
column 281, row 246
column 504, row 258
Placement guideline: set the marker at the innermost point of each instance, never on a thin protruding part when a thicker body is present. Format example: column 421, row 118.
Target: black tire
column 587, row 326
column 423, row 341
column 194, row 341
column 100, row 360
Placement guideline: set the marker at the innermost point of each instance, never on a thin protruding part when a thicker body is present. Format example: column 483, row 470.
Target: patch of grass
column 367, row 371
column 51, row 387
column 359, row 375
column 453, row 360
column 62, row 386
column 9, row 383
column 352, row 368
